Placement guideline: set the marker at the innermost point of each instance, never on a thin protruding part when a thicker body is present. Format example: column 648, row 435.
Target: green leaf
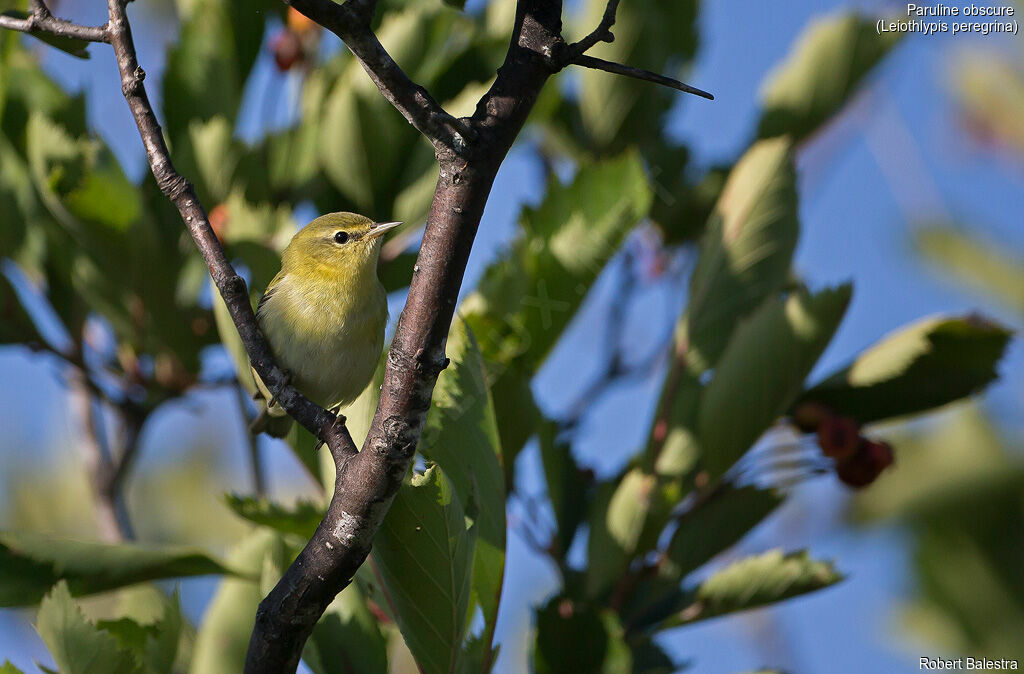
column 347, row 638
column 659, row 36
column 746, row 252
column 702, row 533
column 461, row 436
column 300, row 519
column 77, row 645
column 827, row 65
column 989, row 92
column 223, row 637
column 32, row 563
column 424, row 551
column 990, row 269
column 756, row 581
column 716, row 526
column 930, row 363
column 762, row 371
column 8, row 668
column 155, row 645
column 617, row 520
column 571, row 637
column 568, row 488
column 16, row 326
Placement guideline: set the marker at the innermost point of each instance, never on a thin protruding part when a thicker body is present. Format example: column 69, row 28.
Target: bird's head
column 346, row 242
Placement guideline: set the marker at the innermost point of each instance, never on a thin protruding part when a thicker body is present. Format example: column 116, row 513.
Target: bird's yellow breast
column 327, row 330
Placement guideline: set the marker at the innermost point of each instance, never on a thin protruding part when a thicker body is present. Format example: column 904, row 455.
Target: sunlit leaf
column 762, row 371
column 300, row 519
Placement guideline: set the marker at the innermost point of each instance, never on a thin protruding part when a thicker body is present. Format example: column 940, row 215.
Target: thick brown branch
column 40, row 20
column 231, row 286
column 637, row 73
column 351, row 22
column 367, row 482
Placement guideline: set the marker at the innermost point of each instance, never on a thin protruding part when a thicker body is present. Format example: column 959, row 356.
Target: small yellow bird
column 325, row 312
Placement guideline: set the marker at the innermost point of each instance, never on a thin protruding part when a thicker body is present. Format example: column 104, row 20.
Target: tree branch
column 637, row 73
column 40, row 20
column 603, row 32
column 231, row 286
column 351, row 22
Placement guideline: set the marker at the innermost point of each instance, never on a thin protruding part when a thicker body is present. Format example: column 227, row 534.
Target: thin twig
column 40, row 20
column 259, row 478
column 351, row 22
column 231, row 286
column 603, row 32
column 637, row 73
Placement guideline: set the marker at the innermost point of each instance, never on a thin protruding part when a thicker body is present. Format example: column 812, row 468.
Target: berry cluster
column 859, row 460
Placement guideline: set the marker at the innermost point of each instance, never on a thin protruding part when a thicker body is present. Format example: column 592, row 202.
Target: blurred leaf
column 762, row 372
column 825, row 67
column 756, row 581
column 704, row 532
column 208, row 68
column 32, row 563
column 8, row 668
column 223, row 637
column 300, row 519
column 990, row 92
column 16, row 326
column 571, row 637
column 616, row 522
column 657, row 35
column 927, row 364
column 461, row 436
column 716, row 526
column 347, row 638
column 424, row 551
column 962, row 453
column 567, row 486
column 990, row 269
column 395, row 274
column 77, row 645
column 746, row 252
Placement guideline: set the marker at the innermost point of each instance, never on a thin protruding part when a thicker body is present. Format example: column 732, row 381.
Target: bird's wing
column 269, row 291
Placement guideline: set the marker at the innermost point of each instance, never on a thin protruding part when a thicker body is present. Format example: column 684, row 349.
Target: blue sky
column 896, row 157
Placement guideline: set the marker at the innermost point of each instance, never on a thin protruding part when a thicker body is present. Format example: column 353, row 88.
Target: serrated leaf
column 155, row 645
column 223, row 637
column 32, row 563
column 756, row 581
column 826, row 66
column 925, row 365
column 762, row 371
column 300, row 519
column 461, row 436
column 424, row 551
column 746, row 251
column 77, row 645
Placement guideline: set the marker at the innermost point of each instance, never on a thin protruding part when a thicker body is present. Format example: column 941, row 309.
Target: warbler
column 324, row 313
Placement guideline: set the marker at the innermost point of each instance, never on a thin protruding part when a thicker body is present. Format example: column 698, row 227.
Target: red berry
column 808, row 415
column 839, row 437
column 864, row 467
column 287, row 48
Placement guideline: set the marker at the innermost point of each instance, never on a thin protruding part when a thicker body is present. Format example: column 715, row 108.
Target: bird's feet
column 287, row 382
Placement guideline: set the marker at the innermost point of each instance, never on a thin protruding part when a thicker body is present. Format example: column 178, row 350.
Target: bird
column 324, row 314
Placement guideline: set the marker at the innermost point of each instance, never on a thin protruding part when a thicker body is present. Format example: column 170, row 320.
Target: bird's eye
column 341, row 237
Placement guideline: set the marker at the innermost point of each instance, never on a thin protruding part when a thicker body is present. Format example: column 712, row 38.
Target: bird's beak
column 379, row 228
